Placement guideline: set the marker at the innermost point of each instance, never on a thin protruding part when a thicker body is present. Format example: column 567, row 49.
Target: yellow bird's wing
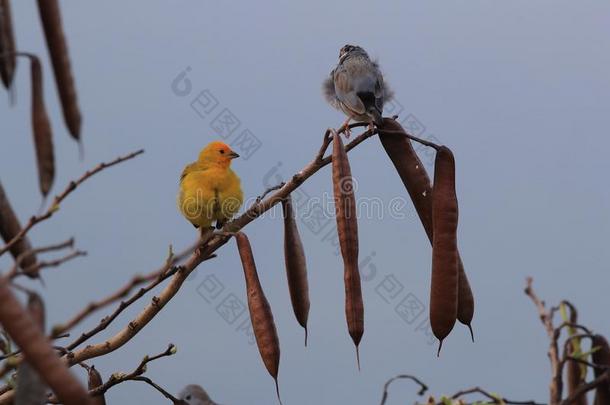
column 192, row 167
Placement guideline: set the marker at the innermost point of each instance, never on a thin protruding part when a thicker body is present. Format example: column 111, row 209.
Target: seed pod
column 296, row 266
column 37, row 349
column 260, row 312
column 9, row 228
column 601, row 357
column 94, row 381
column 347, row 228
column 415, row 179
column 30, row 388
column 8, row 60
column 444, row 289
column 50, row 17
column 41, row 127
column 574, row 376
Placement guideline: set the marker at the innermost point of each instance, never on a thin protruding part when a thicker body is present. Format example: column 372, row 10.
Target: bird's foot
column 206, row 234
column 345, row 128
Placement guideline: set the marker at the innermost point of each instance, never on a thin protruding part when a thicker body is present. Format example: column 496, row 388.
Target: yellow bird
column 209, row 190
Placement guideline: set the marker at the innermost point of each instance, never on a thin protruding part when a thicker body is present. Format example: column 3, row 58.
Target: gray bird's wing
column 346, row 91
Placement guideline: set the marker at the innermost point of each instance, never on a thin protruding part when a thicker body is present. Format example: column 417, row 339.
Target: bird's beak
column 233, row 155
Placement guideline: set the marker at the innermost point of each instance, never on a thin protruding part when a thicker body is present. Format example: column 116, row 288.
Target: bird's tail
column 376, row 115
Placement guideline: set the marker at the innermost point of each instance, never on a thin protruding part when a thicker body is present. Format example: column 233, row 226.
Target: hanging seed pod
column 260, row 312
column 37, row 349
column 8, row 60
column 347, row 228
column 601, row 357
column 30, row 388
column 9, row 228
column 41, row 127
column 296, row 266
column 50, row 17
column 574, row 377
column 465, row 298
column 444, row 289
column 94, row 381
column 417, row 182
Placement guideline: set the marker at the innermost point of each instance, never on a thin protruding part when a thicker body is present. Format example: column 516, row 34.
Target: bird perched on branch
column 193, row 394
column 356, row 87
column 209, row 190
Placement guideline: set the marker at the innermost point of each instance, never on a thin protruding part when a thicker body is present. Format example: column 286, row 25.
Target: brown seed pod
column 94, row 381
column 347, row 228
column 9, row 228
column 30, row 388
column 260, row 312
column 50, row 17
column 8, row 61
column 296, row 266
column 417, row 182
column 444, row 287
column 37, row 349
column 41, row 127
column 601, row 357
column 574, row 377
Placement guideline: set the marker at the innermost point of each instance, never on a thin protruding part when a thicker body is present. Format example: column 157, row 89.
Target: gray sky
column 519, row 90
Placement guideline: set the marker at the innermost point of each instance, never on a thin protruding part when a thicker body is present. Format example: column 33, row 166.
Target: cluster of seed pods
column 451, row 298
column 50, row 17
column 436, row 205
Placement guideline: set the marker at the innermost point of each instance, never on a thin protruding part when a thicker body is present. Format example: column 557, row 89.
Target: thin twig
column 58, row 246
column 422, row 387
column 495, row 399
column 135, row 375
column 413, row 138
column 60, row 197
column 122, row 292
column 34, row 269
column 556, row 386
column 270, row 189
column 118, row 378
column 169, row 272
column 166, row 394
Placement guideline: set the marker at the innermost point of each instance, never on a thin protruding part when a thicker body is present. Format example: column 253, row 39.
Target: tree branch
column 122, row 292
column 422, row 387
column 60, row 197
column 556, row 386
column 494, row 398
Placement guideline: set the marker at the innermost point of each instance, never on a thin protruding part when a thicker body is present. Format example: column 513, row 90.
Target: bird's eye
column 188, row 397
column 222, row 151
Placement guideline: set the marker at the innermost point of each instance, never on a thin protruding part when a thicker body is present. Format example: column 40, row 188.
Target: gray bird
column 356, row 87
column 193, row 394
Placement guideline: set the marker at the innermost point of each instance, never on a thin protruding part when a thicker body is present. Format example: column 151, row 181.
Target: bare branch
column 34, row 269
column 123, row 291
column 118, row 378
column 422, row 387
column 23, row 256
column 60, row 197
column 556, row 386
column 494, row 398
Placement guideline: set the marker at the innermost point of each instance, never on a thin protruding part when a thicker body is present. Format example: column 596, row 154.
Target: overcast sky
column 518, row 90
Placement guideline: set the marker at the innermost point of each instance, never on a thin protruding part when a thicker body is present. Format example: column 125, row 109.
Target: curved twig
column 422, row 387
